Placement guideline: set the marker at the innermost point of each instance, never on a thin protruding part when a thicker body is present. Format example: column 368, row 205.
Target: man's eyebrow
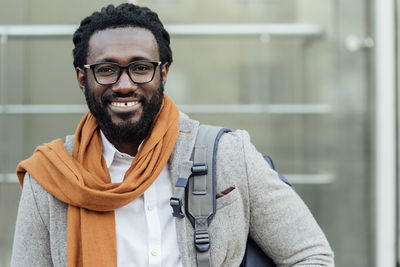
column 107, row 60
column 115, row 61
column 139, row 58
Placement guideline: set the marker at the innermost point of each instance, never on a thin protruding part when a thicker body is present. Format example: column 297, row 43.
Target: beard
column 127, row 130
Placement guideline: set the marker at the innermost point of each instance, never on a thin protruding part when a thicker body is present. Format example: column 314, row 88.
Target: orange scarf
column 83, row 182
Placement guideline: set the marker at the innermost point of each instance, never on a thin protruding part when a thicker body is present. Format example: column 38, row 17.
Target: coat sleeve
column 31, row 239
column 280, row 222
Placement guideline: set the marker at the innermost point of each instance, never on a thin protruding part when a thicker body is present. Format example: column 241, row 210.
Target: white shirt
column 145, row 228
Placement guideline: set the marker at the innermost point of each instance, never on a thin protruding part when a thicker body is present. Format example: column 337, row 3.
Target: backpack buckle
column 202, row 240
column 176, row 204
column 199, row 169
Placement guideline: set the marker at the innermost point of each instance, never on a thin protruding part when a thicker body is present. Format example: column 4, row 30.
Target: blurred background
column 315, row 82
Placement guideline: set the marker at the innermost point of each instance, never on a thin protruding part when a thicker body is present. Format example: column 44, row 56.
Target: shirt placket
column 153, row 227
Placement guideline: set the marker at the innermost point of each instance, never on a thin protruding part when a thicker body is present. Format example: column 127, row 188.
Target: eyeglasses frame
column 122, row 68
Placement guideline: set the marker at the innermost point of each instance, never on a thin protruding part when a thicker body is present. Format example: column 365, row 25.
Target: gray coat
column 260, row 204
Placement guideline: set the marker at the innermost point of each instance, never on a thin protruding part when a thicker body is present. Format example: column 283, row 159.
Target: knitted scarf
column 83, row 182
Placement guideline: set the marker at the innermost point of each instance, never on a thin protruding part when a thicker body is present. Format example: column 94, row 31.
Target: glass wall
column 280, row 69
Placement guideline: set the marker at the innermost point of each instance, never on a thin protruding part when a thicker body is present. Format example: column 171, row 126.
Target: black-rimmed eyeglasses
column 107, row 73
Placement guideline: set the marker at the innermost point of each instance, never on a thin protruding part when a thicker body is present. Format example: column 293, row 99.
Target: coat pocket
column 227, row 197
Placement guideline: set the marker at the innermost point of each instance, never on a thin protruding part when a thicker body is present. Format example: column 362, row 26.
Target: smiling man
column 102, row 198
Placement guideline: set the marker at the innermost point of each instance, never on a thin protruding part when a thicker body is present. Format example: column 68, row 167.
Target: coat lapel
column 182, row 152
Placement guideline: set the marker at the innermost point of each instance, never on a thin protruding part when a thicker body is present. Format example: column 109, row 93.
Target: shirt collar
column 109, row 151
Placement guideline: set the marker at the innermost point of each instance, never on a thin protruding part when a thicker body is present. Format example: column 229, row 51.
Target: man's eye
column 140, row 68
column 106, row 70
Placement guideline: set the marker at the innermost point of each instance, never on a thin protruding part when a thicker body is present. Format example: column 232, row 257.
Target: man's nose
column 124, row 84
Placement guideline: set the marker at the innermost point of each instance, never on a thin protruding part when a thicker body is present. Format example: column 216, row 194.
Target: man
column 102, row 198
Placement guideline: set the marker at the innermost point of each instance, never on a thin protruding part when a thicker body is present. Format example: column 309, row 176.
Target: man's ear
column 164, row 73
column 80, row 76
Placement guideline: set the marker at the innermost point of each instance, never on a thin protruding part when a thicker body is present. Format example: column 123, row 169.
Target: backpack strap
column 200, row 195
column 184, row 172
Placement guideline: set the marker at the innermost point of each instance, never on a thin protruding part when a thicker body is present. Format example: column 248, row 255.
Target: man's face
column 124, row 110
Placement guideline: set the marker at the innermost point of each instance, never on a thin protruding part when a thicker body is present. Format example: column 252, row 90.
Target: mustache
column 109, row 98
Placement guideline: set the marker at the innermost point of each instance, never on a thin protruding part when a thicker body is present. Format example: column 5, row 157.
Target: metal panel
column 284, row 29
column 293, row 178
column 192, row 109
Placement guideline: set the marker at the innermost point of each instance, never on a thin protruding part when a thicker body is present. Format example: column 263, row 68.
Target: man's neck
column 129, row 147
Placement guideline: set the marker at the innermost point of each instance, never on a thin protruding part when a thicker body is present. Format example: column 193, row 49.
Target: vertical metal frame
column 397, row 69
column 3, row 84
column 3, row 65
column 385, row 133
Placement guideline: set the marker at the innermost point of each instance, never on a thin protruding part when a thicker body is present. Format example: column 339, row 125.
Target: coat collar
column 184, row 145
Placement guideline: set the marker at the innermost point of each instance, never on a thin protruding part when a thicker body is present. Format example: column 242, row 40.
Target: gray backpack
column 197, row 182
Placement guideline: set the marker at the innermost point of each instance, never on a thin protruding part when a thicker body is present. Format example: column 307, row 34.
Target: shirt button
column 149, row 208
column 154, row 253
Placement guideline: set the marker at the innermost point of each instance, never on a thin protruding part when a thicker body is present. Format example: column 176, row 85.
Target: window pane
column 313, row 95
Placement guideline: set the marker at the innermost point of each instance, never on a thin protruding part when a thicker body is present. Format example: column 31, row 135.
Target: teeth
column 123, row 104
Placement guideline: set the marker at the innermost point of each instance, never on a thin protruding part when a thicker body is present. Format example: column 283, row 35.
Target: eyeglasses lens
column 141, row 72
column 107, row 73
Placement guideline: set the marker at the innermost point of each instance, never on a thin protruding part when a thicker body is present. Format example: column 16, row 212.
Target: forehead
column 122, row 45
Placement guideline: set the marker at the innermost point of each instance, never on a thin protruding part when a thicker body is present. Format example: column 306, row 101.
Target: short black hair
column 124, row 15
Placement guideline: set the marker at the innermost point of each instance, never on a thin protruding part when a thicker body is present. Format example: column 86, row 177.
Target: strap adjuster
column 176, row 204
column 202, row 240
column 199, row 169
